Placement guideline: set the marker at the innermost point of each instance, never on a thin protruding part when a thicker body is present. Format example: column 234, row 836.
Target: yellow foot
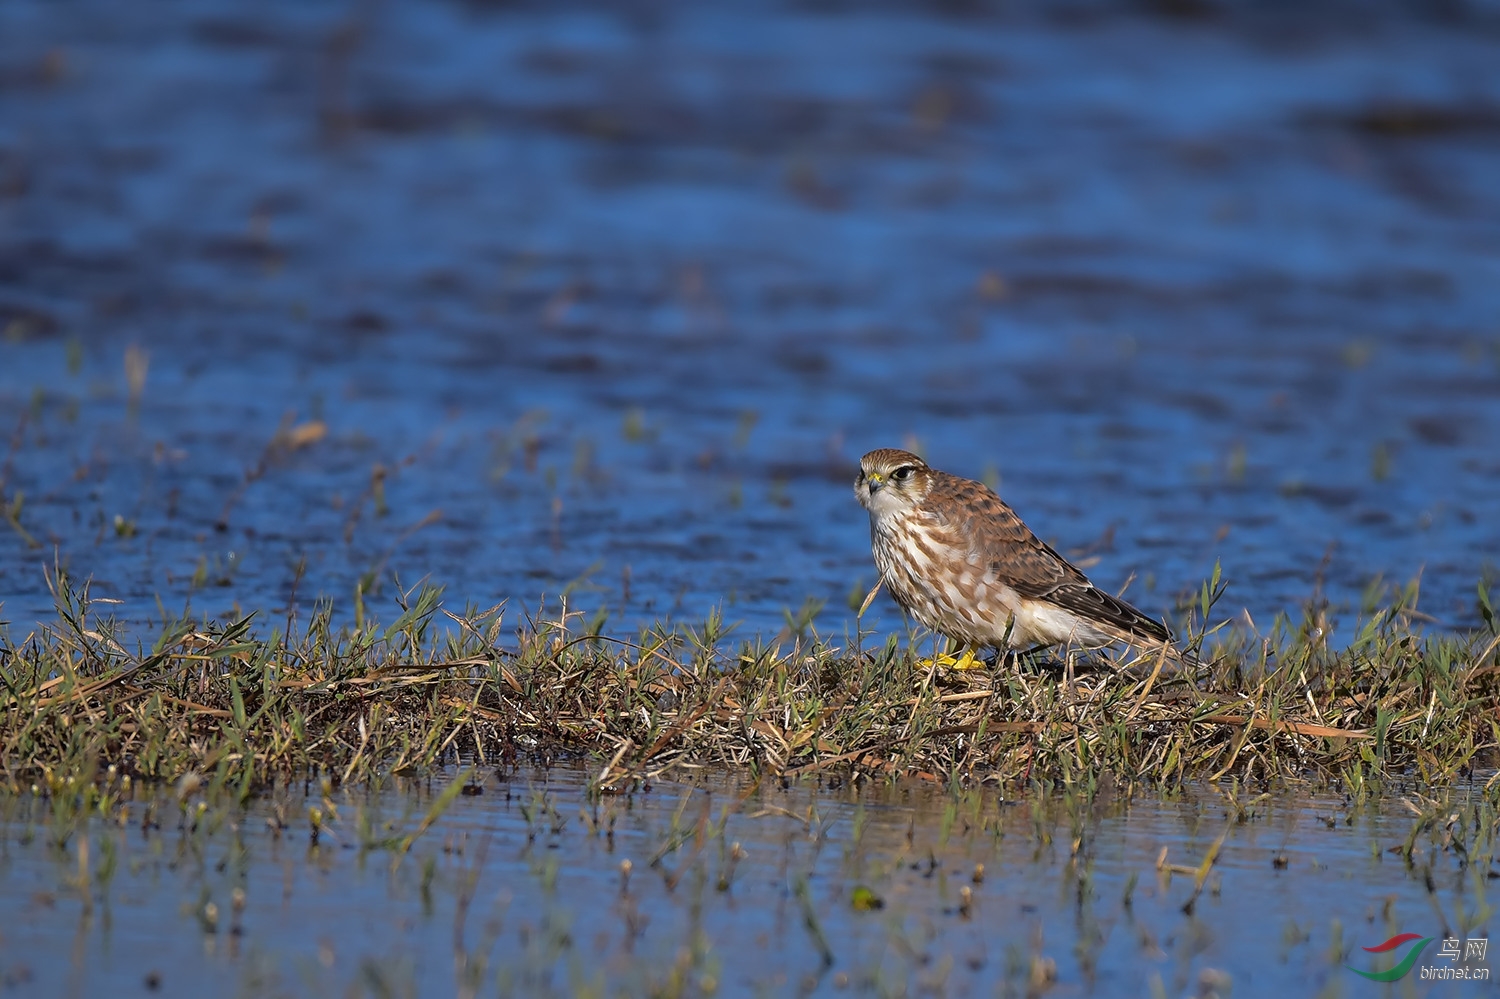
column 948, row 660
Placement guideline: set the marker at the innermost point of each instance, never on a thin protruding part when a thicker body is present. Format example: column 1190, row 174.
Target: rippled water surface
column 905, row 890
column 522, row 296
column 608, row 299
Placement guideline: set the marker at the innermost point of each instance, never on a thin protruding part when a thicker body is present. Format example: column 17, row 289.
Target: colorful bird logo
column 1401, row 970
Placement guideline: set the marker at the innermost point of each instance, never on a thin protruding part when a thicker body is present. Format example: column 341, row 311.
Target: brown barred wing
column 986, row 524
column 989, row 527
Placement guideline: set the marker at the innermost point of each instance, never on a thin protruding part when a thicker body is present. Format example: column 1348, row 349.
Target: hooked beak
column 875, row 482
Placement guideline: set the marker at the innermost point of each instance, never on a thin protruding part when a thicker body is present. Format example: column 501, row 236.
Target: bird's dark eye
column 903, row 473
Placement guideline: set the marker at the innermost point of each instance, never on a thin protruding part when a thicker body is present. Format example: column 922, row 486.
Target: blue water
column 519, row 891
column 616, row 296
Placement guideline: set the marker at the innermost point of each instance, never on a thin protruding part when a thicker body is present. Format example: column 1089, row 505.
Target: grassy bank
column 248, row 702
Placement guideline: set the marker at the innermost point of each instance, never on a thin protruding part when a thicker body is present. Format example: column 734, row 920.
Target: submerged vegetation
column 246, row 703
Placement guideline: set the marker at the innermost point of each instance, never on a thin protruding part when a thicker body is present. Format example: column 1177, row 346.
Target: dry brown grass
column 243, row 708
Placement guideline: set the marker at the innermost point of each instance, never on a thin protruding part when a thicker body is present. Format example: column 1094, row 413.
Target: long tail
column 1116, row 618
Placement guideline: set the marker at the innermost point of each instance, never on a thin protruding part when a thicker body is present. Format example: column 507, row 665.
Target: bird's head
column 891, row 481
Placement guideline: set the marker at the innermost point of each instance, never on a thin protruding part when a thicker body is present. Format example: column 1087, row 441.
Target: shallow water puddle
column 529, row 887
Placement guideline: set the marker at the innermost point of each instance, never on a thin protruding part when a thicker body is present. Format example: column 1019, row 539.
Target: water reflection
column 528, row 886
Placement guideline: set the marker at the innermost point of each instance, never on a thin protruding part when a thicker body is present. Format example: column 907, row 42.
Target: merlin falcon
column 958, row 559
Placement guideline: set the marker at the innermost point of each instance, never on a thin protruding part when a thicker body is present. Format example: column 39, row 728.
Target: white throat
column 887, row 507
